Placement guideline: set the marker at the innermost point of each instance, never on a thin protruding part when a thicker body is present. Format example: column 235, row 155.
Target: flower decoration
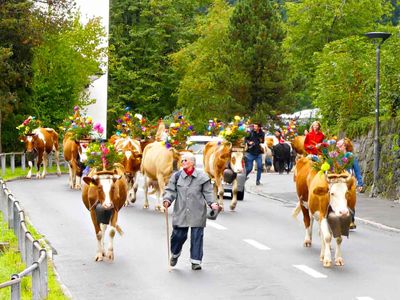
column 235, row 132
column 214, row 127
column 332, row 160
column 135, row 125
column 102, row 155
column 178, row 132
column 80, row 126
column 28, row 126
column 290, row 130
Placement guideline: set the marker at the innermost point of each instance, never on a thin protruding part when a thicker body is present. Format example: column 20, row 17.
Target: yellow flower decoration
column 325, row 166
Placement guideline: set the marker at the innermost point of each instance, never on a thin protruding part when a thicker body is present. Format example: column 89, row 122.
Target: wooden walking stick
column 168, row 247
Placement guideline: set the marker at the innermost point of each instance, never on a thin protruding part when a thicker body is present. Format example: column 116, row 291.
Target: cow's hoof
column 28, row 177
column 307, row 244
column 145, row 206
column 327, row 263
column 110, row 255
column 58, row 174
column 339, row 261
column 78, row 187
column 99, row 257
column 232, row 207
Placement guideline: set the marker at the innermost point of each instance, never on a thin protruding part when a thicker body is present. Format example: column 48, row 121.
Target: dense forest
column 210, row 58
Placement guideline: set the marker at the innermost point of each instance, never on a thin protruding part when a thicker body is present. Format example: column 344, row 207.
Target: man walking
column 254, row 151
column 191, row 190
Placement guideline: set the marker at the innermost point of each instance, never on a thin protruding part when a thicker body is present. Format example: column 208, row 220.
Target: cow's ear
column 226, row 155
column 320, row 191
column 22, row 139
column 88, row 180
column 138, row 155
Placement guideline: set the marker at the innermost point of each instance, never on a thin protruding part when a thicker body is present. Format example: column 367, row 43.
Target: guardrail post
column 10, row 212
column 23, row 161
column 50, row 160
column 3, row 163
column 12, row 163
column 3, row 198
column 15, row 288
column 28, row 249
column 36, row 272
column 22, row 237
column 43, row 275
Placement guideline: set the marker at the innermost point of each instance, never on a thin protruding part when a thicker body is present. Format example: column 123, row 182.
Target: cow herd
column 327, row 198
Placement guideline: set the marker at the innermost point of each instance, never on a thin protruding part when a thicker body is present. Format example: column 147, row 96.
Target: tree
column 143, row 34
column 17, row 38
column 256, row 35
column 313, row 23
column 208, row 78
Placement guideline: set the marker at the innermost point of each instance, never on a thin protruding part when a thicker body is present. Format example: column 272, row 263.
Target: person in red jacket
column 314, row 138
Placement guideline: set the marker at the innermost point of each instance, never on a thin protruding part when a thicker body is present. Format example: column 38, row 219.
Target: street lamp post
column 383, row 36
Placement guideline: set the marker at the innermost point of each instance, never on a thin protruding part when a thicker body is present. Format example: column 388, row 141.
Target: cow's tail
column 119, row 230
column 297, row 209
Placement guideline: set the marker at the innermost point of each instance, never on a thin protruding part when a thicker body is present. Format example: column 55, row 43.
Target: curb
column 365, row 221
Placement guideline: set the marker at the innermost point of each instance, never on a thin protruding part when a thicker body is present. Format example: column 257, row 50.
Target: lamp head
column 378, row 35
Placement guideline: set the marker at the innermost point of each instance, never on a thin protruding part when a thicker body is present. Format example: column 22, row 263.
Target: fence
column 32, row 253
column 19, row 158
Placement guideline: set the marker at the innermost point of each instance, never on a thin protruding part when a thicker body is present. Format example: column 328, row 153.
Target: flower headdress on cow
column 81, row 126
column 135, row 126
column 332, row 160
column 215, row 127
column 102, row 155
column 290, row 130
column 28, row 126
column 178, row 131
column 235, row 131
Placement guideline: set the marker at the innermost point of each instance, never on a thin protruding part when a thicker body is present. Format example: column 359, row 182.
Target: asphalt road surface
column 255, row 252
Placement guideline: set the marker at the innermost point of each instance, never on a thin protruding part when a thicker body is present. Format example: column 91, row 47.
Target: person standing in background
column 254, row 151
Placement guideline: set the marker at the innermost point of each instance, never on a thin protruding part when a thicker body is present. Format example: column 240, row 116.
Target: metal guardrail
column 12, row 161
column 32, row 253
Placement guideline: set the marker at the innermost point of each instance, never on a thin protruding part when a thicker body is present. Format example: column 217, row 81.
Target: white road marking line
column 310, row 271
column 216, row 225
column 256, row 244
column 364, row 298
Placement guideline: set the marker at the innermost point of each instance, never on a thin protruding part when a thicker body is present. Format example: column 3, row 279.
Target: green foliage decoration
column 102, row 155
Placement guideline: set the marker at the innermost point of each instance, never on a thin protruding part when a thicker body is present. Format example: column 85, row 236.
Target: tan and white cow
column 75, row 155
column 39, row 144
column 217, row 157
column 132, row 159
column 104, row 194
column 320, row 195
column 157, row 167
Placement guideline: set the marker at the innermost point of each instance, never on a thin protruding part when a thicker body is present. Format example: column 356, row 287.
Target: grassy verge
column 18, row 172
column 11, row 261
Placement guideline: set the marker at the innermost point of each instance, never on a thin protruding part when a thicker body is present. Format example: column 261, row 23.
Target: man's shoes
column 196, row 266
column 173, row 261
column 352, row 225
column 258, row 182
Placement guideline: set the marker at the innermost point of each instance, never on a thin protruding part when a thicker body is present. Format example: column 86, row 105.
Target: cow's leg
column 161, row 185
column 71, row 178
column 38, row 163
column 234, row 194
column 307, row 224
column 99, row 236
column 132, row 190
column 146, row 189
column 113, row 226
column 30, row 164
column 220, row 192
column 338, row 253
column 45, row 160
column 326, row 239
column 57, row 158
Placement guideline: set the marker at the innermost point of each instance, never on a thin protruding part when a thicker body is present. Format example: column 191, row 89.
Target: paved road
column 253, row 253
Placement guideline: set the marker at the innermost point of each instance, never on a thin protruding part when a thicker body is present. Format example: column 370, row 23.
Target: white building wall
column 98, row 88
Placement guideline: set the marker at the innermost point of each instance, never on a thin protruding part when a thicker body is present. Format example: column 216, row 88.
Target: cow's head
column 83, row 146
column 30, row 145
column 103, row 188
column 236, row 161
column 338, row 190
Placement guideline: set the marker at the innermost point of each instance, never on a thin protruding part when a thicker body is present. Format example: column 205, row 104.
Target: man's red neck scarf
column 189, row 172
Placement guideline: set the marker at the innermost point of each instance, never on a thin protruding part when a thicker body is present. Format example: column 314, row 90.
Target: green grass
column 18, row 172
column 10, row 260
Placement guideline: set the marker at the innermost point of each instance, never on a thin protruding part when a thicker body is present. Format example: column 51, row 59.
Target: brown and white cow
column 132, row 159
column 157, row 167
column 39, row 144
column 217, row 157
column 104, row 194
column 75, row 155
column 319, row 196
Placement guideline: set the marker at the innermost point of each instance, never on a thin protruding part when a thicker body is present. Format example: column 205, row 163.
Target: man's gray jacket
column 192, row 194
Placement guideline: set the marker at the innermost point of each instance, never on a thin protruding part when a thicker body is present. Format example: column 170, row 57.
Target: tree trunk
column 1, row 119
